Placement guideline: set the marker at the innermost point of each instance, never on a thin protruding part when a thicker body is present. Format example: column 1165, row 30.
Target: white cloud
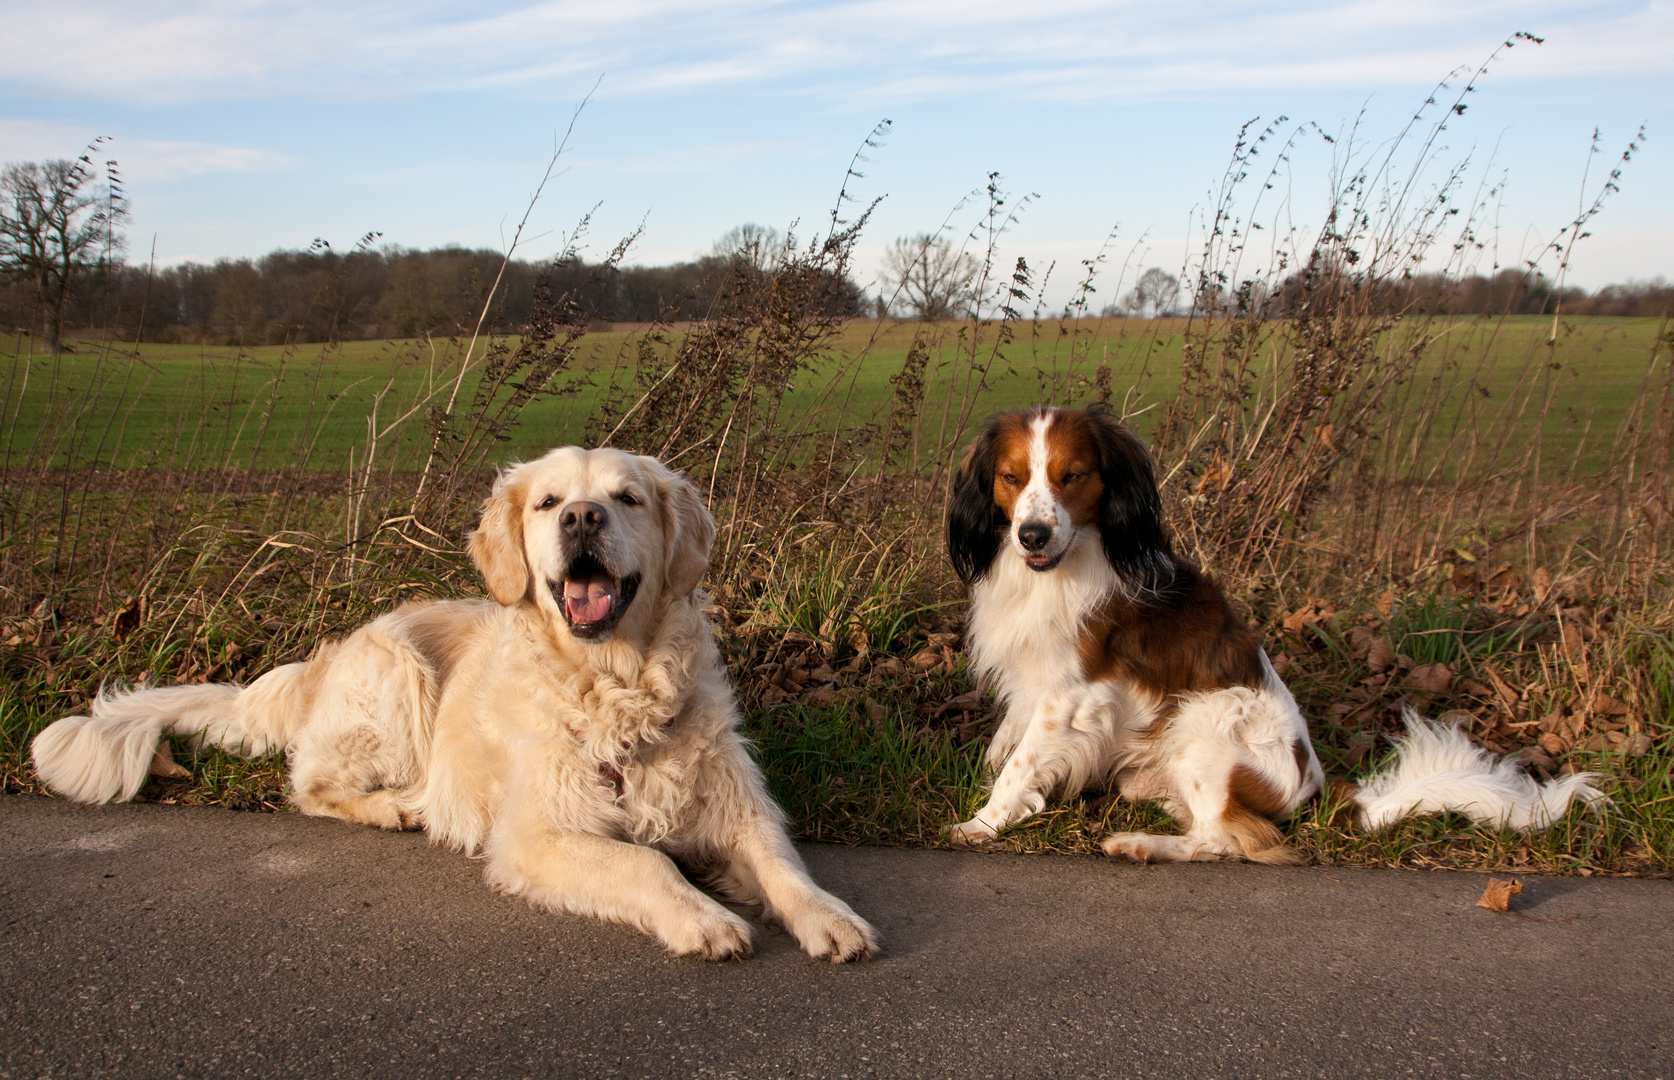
column 192, row 50
column 140, row 159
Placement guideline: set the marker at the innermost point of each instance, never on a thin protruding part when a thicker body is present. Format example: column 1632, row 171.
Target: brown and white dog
column 578, row 732
column 1117, row 660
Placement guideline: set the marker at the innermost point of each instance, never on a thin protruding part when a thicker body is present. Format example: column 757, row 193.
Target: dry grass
column 1403, row 521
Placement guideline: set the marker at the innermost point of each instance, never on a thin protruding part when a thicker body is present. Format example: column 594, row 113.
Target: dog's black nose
column 1034, row 535
column 582, row 519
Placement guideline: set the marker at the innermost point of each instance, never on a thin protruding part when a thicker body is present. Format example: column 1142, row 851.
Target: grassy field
column 201, row 407
column 1495, row 510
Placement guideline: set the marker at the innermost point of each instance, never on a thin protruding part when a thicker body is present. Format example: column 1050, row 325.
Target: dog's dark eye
column 1009, row 478
column 627, row 498
column 547, row 503
column 1071, row 477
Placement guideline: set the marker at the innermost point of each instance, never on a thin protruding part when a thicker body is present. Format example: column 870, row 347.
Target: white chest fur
column 1025, row 627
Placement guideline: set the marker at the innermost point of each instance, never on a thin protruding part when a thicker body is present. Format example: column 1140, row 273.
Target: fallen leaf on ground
column 925, row 659
column 163, row 763
column 1497, row 896
column 1430, row 678
column 1606, row 705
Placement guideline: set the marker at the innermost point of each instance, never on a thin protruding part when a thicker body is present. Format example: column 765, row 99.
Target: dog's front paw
column 715, row 934
column 1128, row 845
column 833, row 932
column 970, row 833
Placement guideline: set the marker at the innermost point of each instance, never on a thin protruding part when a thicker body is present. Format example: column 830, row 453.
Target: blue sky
column 246, row 125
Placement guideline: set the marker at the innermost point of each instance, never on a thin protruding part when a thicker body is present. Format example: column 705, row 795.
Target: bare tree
column 756, row 245
column 930, row 274
column 1156, row 292
column 58, row 223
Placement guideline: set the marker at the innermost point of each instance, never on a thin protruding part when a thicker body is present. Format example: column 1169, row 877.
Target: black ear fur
column 974, row 523
column 1130, row 511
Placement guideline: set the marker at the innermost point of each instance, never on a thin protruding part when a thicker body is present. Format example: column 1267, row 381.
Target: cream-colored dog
column 578, row 733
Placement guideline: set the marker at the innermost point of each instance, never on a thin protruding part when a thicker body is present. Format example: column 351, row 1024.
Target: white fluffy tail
column 1437, row 768
column 105, row 757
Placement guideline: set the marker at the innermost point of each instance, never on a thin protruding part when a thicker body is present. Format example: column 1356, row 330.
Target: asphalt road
column 152, row 941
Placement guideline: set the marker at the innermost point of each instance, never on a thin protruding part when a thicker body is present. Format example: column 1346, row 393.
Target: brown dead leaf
column 1463, row 718
column 1379, row 656
column 1505, row 577
column 127, row 620
column 925, row 659
column 1312, row 612
column 1386, row 603
column 1574, row 641
column 1430, row 678
column 1605, row 705
column 1553, row 744
column 163, row 763
column 967, row 702
column 1497, row 896
column 1358, row 748
column 1542, row 584
column 1508, row 697
column 1215, row 476
column 825, row 697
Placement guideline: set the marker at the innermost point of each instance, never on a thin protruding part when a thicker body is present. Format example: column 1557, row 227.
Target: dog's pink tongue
column 588, row 600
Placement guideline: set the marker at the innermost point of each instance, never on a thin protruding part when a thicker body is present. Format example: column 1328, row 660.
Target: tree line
column 377, row 292
column 62, row 270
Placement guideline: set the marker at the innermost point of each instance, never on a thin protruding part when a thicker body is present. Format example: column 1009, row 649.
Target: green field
column 194, row 407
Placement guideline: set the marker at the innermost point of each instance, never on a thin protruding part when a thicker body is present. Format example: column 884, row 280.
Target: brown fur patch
column 1342, row 797
column 1197, row 643
column 1251, row 802
column 1248, row 787
column 1072, row 466
column 1011, row 459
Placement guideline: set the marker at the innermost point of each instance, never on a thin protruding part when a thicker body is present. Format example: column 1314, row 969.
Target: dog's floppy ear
column 497, row 544
column 974, row 522
column 1130, row 510
column 688, row 529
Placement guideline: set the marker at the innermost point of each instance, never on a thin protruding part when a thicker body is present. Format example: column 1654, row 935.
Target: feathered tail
column 1437, row 768
column 105, row 757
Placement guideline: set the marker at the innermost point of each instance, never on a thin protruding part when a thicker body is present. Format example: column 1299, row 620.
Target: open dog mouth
column 592, row 598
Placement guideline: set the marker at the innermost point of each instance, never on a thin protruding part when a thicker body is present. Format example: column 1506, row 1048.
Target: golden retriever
column 580, row 732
